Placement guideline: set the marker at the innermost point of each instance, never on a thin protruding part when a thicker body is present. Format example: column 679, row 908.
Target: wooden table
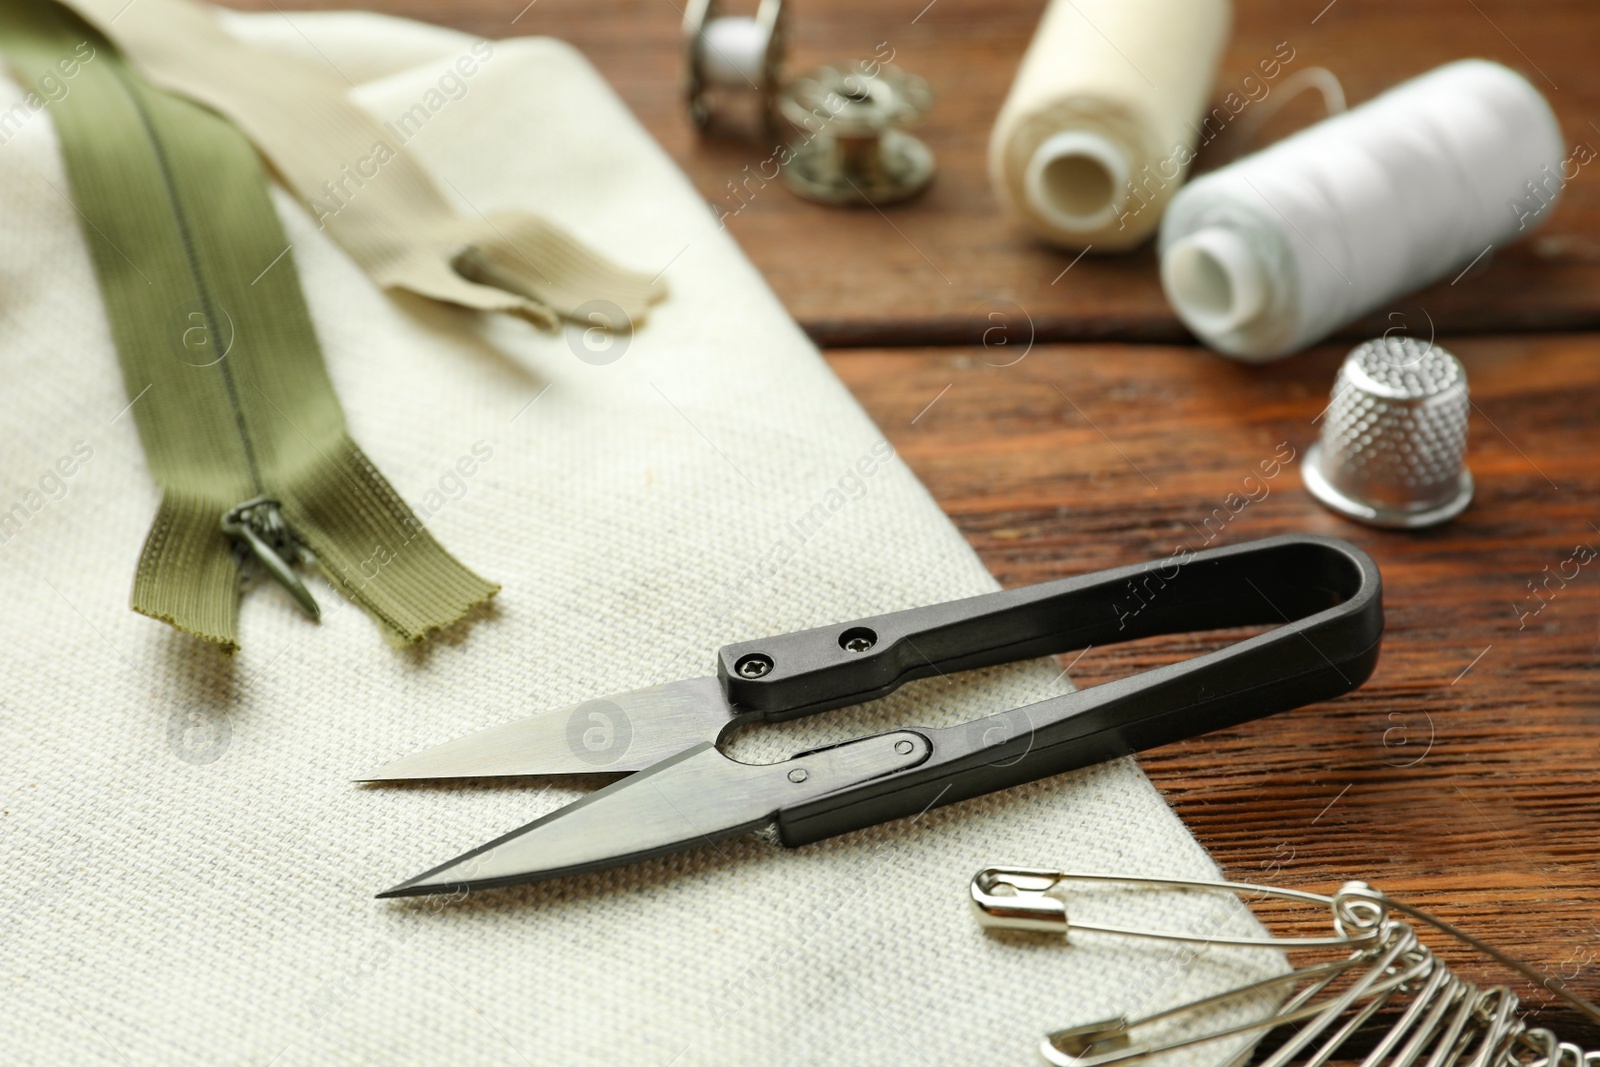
column 1464, row 775
column 933, row 271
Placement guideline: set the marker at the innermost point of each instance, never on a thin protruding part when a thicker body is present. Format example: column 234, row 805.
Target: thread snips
column 1321, row 595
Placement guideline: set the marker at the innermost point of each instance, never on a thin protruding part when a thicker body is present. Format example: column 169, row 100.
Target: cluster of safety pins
column 1386, row 986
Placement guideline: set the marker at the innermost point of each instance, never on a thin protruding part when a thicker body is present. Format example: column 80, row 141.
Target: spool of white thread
column 1104, row 108
column 1278, row 250
column 733, row 52
column 732, row 56
column 1077, row 179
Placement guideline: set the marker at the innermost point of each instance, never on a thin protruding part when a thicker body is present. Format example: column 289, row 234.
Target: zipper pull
column 259, row 523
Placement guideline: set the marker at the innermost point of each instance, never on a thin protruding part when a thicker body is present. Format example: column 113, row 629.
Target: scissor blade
column 621, row 732
column 694, row 798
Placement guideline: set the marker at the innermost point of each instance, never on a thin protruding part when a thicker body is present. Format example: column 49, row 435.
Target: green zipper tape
column 237, row 416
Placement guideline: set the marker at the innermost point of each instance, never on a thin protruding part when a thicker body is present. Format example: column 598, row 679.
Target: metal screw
column 857, row 639
column 753, row 666
column 798, row 775
column 903, row 747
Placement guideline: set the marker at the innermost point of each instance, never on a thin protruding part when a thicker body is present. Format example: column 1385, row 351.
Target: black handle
column 802, row 673
column 1325, row 592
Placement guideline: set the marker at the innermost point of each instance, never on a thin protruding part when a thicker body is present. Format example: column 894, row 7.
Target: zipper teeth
column 202, row 291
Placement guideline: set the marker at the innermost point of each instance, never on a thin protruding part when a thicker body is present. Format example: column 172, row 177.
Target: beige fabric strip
column 356, row 177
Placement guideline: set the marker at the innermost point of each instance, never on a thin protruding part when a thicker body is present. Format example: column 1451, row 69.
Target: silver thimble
column 1394, row 436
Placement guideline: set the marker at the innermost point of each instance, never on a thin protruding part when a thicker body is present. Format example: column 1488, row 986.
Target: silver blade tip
column 382, row 774
column 621, row 733
column 411, row 889
column 417, row 767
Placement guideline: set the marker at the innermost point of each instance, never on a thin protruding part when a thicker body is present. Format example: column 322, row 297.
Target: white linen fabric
column 188, row 871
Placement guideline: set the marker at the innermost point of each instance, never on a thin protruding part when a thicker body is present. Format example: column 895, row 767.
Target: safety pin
column 1368, row 984
column 1551, row 1051
column 1549, row 982
column 1014, row 898
column 1497, row 1025
column 1111, row 1042
column 1439, row 979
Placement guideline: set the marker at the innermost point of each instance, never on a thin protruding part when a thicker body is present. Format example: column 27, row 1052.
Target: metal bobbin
column 855, row 149
column 733, row 55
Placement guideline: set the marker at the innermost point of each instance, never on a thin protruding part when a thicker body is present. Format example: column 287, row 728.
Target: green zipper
column 258, row 522
column 237, row 416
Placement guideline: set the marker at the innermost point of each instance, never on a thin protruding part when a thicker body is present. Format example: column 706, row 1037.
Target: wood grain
column 932, row 271
column 1462, row 776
